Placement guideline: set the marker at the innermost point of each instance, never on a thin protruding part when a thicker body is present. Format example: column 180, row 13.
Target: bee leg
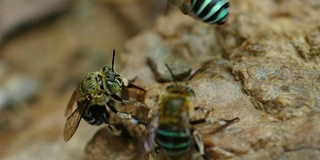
column 123, row 130
column 212, row 120
column 112, row 128
column 133, row 79
column 197, row 108
column 199, row 142
column 115, row 131
column 222, row 123
column 128, row 102
column 127, row 116
column 131, row 85
column 199, row 121
column 156, row 150
column 105, row 116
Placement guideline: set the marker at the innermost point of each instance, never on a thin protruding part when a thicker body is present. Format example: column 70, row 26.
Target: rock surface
column 179, row 67
column 262, row 66
column 111, row 146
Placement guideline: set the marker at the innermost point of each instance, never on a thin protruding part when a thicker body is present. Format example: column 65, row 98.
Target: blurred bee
column 209, row 11
column 170, row 130
column 94, row 95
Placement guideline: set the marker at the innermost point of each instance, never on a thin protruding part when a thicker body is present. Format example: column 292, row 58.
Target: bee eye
column 113, row 87
column 118, row 80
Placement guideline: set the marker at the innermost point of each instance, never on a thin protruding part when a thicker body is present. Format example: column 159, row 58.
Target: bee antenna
column 172, row 75
column 113, row 56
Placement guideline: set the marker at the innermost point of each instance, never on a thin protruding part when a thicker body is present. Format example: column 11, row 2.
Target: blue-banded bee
column 94, row 96
column 171, row 128
column 209, row 11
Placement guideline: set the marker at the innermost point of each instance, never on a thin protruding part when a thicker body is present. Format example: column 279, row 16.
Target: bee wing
column 149, row 138
column 73, row 120
column 71, row 103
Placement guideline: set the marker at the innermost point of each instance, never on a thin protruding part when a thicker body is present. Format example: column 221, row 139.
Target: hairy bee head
column 176, row 89
column 114, row 81
column 182, row 90
column 176, row 102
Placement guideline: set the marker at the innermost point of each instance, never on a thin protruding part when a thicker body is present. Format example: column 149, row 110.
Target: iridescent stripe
column 203, row 5
column 222, row 17
column 171, row 134
column 174, row 146
column 215, row 9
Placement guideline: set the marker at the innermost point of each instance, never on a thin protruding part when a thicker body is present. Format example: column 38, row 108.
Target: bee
column 209, row 11
column 94, row 96
column 170, row 130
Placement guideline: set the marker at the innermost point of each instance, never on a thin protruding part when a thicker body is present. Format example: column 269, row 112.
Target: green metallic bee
column 209, row 11
column 170, row 130
column 95, row 93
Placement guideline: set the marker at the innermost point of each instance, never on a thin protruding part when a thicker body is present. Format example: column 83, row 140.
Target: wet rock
column 18, row 14
column 158, row 57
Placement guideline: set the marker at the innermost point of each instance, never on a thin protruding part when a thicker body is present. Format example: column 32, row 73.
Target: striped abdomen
column 173, row 141
column 211, row 11
column 96, row 115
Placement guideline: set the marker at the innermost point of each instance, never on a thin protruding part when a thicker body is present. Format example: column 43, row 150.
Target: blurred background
column 46, row 47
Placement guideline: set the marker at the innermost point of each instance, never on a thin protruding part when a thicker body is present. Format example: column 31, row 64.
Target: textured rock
column 158, row 57
column 262, row 66
column 106, row 145
column 281, row 87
